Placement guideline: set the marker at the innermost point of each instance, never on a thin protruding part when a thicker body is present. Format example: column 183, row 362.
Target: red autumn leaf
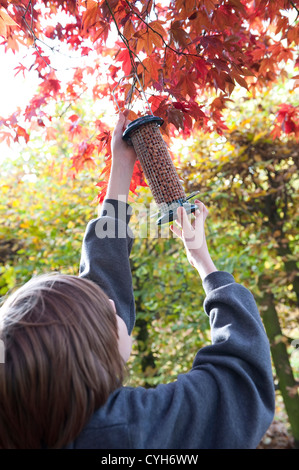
column 287, row 120
column 83, row 157
column 34, row 107
column 178, row 34
column 104, row 145
column 6, row 137
column 20, row 68
column 125, row 58
column 288, row 126
column 102, row 30
column 74, row 128
column 176, row 117
column 21, row 132
column 137, row 178
column 41, row 61
column 50, row 85
column 152, row 67
column 156, row 102
column 89, row 16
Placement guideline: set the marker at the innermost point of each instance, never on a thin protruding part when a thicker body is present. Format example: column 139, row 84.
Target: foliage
column 251, row 182
column 42, row 215
column 180, row 53
column 44, row 208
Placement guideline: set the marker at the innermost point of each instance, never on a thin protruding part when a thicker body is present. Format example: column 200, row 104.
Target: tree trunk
column 287, row 383
column 290, row 267
column 142, row 338
column 147, row 357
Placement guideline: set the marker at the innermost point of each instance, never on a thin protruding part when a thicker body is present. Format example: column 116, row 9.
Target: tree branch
column 294, row 6
column 125, row 41
column 160, row 35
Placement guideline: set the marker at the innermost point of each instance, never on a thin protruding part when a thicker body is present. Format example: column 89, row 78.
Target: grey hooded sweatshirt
column 225, row 401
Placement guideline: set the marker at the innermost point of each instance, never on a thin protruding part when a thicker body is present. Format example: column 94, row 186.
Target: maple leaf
column 125, row 58
column 152, row 67
column 102, row 193
column 176, row 117
column 21, row 132
column 74, row 128
column 35, row 104
column 158, row 28
column 102, row 29
column 178, row 34
column 137, row 178
column 104, row 139
column 6, row 137
column 90, row 16
column 287, row 120
column 50, row 85
column 83, row 157
column 5, row 21
column 186, row 86
column 20, row 68
column 157, row 101
column 41, row 62
column 201, row 68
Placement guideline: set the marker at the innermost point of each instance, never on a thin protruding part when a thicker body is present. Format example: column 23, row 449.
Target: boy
column 225, row 401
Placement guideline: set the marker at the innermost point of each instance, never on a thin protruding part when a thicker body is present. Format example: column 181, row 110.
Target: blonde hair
column 61, row 360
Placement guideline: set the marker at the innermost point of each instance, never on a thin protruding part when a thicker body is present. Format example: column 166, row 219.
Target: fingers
column 122, row 117
column 183, row 220
column 184, row 227
column 201, row 208
column 176, row 231
column 182, row 216
column 119, row 125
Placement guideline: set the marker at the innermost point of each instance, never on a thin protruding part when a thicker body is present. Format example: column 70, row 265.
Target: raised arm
column 194, row 239
column 123, row 161
column 108, row 240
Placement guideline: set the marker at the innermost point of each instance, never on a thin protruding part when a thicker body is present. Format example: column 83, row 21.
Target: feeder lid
column 140, row 122
column 172, row 214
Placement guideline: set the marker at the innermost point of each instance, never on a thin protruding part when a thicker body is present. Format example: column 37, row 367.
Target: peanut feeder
column 145, row 136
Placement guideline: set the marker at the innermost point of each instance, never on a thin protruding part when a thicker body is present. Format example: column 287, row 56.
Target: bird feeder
column 157, row 165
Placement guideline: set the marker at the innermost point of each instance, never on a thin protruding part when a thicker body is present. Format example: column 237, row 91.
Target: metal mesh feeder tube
column 158, row 168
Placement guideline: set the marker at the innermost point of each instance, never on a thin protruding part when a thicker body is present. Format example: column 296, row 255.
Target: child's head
column 62, row 360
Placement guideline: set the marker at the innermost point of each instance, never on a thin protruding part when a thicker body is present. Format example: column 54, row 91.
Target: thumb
column 176, row 231
column 121, row 119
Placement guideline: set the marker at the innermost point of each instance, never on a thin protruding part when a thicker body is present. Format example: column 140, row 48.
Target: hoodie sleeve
column 106, row 248
column 227, row 399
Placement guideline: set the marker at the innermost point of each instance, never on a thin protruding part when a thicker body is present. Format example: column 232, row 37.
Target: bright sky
column 16, row 91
